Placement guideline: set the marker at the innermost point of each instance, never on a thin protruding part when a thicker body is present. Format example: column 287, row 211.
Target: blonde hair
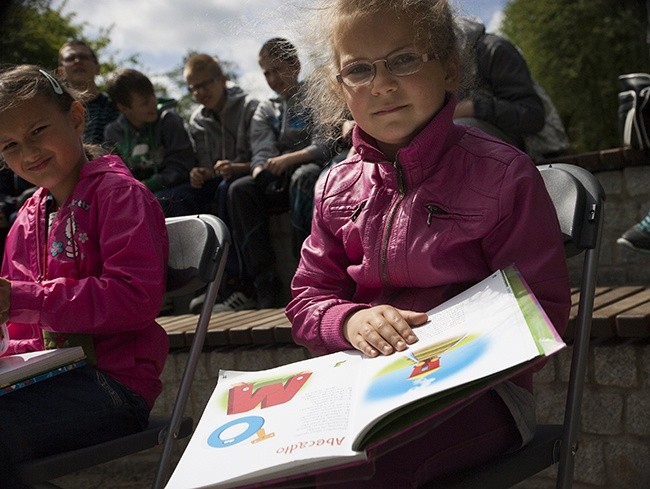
column 202, row 63
column 433, row 28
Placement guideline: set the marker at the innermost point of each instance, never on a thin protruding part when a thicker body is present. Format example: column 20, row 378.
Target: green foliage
column 576, row 49
column 33, row 32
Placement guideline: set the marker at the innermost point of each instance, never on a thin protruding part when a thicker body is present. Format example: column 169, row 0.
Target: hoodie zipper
column 401, row 191
column 41, row 246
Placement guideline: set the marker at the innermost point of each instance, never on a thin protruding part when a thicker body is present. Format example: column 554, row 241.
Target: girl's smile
column 42, row 144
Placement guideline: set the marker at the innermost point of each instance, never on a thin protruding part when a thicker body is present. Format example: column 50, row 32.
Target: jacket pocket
column 349, row 211
column 437, row 212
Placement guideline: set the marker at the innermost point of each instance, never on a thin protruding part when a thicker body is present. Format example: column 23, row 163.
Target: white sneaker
column 235, row 302
column 197, row 303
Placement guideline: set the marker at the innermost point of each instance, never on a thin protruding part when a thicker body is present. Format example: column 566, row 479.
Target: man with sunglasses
column 78, row 66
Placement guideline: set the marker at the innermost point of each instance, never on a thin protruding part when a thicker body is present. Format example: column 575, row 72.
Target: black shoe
column 636, row 238
column 268, row 289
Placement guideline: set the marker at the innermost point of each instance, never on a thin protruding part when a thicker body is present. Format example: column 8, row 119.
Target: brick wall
column 627, row 202
column 614, row 440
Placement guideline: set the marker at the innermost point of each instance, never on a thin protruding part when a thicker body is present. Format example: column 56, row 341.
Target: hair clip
column 55, row 84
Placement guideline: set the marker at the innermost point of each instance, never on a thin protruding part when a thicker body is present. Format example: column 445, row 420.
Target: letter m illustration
column 244, row 397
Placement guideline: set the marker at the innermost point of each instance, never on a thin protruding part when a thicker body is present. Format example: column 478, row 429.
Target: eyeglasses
column 362, row 72
column 71, row 58
column 202, row 85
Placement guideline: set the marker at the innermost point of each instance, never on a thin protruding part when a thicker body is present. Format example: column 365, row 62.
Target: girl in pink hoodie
column 85, row 265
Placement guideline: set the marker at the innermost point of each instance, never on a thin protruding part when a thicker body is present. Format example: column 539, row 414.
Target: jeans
column 177, row 201
column 73, row 410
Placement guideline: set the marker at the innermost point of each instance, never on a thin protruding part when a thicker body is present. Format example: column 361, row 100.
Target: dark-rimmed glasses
column 71, row 58
column 202, row 85
column 362, row 72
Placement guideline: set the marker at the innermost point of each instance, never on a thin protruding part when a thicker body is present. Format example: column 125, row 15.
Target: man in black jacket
column 500, row 97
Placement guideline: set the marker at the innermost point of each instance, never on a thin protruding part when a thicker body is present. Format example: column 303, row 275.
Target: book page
column 278, row 420
column 475, row 335
column 297, row 418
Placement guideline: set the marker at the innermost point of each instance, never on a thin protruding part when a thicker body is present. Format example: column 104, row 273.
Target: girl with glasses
column 423, row 210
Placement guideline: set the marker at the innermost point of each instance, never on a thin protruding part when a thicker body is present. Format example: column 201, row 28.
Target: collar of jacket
column 421, row 157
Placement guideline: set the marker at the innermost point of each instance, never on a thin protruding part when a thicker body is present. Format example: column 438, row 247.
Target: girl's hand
column 5, row 298
column 382, row 329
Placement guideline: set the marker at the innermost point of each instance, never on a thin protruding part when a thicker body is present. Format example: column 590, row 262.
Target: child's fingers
column 365, row 347
column 381, row 329
column 401, row 326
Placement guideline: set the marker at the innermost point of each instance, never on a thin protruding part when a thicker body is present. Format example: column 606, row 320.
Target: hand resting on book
column 382, row 329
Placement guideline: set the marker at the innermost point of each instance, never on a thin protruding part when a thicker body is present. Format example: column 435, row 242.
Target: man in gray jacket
column 219, row 130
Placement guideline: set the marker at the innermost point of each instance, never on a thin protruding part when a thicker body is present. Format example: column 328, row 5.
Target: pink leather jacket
column 455, row 206
column 101, row 271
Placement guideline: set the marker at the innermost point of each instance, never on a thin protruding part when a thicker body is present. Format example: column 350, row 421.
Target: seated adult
column 153, row 143
column 503, row 99
column 78, row 67
column 287, row 160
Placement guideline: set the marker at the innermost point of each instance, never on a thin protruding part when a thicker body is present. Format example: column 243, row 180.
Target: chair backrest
column 579, row 200
column 198, row 247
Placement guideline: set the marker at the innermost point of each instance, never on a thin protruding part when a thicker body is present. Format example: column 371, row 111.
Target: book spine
column 44, row 376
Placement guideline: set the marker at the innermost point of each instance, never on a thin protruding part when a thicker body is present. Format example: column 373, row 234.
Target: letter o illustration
column 254, row 424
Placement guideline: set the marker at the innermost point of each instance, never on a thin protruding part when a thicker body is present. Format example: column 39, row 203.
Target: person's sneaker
column 197, row 303
column 636, row 238
column 236, row 301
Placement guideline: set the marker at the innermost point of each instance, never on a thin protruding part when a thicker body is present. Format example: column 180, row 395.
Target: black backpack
column 634, row 110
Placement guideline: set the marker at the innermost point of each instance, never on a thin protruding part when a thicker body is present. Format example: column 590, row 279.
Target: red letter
column 243, row 398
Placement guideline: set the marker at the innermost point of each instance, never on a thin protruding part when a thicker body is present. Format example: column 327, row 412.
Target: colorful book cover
column 38, row 378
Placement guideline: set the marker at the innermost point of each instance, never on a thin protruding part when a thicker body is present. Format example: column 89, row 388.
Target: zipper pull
column 357, row 211
column 433, row 209
column 400, row 177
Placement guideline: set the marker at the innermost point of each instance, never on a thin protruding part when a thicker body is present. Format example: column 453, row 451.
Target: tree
column 576, row 49
column 33, row 32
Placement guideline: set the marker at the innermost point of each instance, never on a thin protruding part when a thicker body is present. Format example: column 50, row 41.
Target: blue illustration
column 400, row 378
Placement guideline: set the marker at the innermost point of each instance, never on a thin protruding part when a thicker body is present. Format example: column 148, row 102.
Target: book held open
column 328, row 411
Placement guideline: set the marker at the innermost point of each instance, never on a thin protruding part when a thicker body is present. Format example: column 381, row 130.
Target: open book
column 328, row 411
column 20, row 370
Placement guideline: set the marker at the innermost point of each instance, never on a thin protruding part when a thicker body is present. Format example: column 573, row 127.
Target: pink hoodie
column 101, row 271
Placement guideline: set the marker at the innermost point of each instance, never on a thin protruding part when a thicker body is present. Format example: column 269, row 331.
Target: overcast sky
column 162, row 32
